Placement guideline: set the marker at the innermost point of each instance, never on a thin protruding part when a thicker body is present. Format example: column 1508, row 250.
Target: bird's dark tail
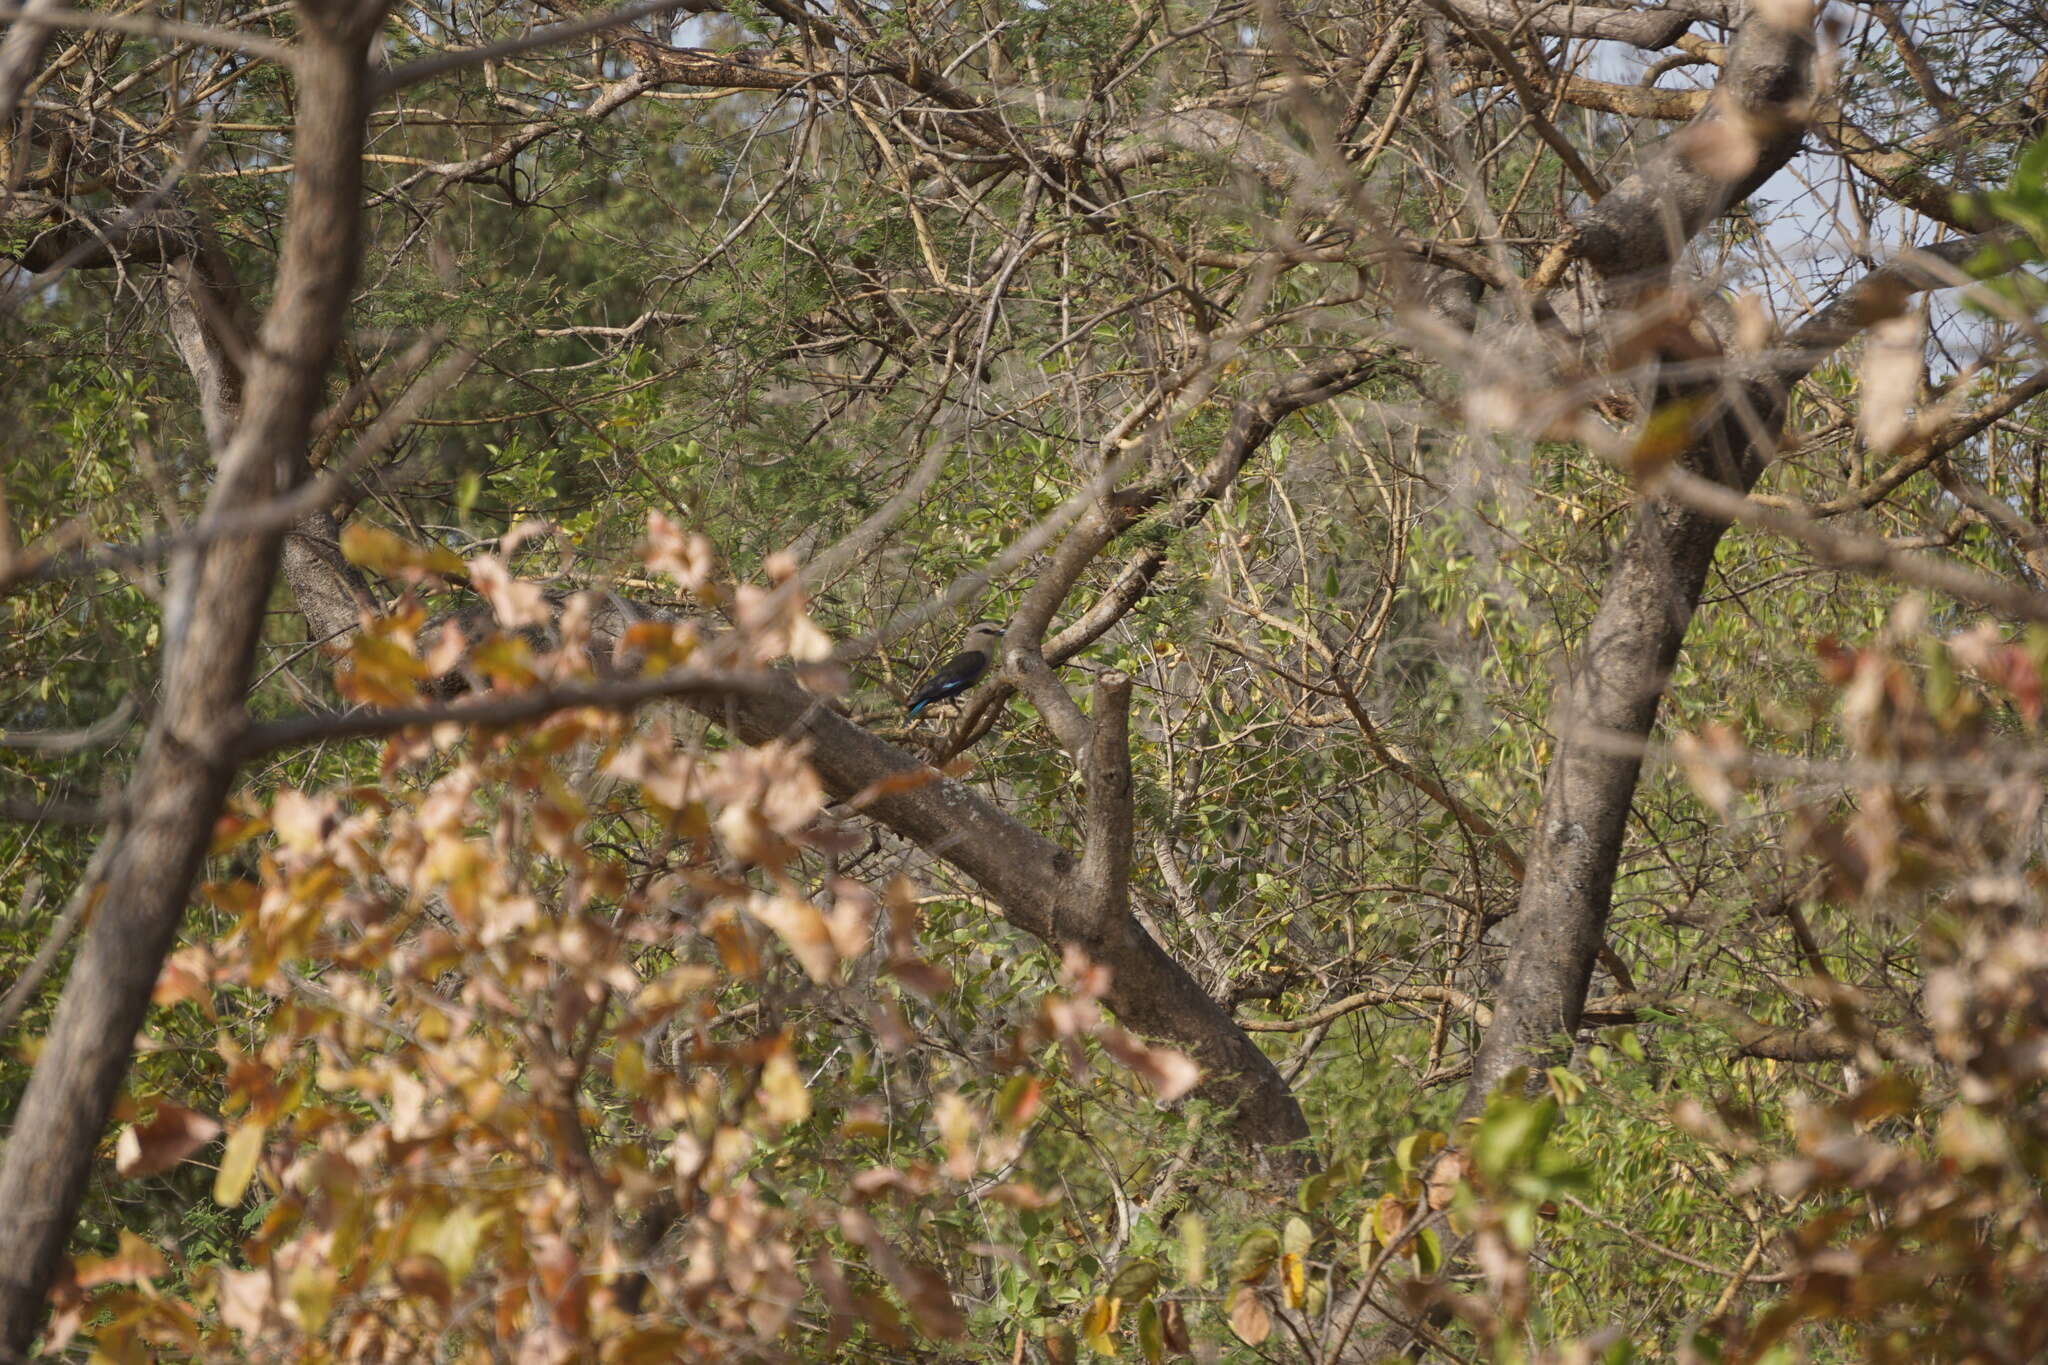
column 912, row 714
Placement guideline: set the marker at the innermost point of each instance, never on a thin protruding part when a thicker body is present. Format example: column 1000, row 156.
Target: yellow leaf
column 781, row 1093
column 1098, row 1323
column 238, row 1164
column 453, row 1239
column 310, row 1292
column 629, row 1069
column 1293, row 1279
column 380, row 551
column 1664, row 437
column 1194, row 1250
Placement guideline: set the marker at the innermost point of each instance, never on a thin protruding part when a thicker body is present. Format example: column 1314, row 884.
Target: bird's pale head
column 986, row 635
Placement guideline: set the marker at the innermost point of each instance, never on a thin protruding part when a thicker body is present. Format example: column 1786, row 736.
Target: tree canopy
column 1505, row 822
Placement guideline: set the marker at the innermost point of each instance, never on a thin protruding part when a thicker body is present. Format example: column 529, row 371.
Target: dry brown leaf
column 1171, row 1074
column 1012, row 1194
column 802, row 930
column 922, row 978
column 1249, row 1317
column 516, row 602
column 1725, row 148
column 687, row 558
column 424, row 1277
column 135, row 1260
column 1792, row 15
column 1753, row 325
column 174, row 1134
column 1450, row 1168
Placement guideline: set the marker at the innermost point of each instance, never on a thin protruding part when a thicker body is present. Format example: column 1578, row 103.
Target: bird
column 961, row 671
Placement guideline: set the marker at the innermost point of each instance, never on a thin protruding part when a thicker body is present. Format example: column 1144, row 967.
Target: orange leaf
column 136, row 1260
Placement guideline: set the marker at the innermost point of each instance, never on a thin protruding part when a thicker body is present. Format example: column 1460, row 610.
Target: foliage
column 612, row 1035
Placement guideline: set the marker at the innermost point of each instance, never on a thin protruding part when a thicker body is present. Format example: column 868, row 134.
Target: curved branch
column 1037, row 886
column 1458, row 1000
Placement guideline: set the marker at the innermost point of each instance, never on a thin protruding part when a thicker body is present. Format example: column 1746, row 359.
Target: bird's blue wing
column 958, row 674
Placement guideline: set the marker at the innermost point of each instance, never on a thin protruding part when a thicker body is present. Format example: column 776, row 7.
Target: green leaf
column 1255, row 1255
column 1151, row 1334
column 1134, row 1281
column 1510, row 1133
column 1428, row 1251
column 1411, row 1152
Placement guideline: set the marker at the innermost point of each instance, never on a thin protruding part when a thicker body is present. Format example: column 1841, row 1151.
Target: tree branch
column 495, row 710
column 1858, row 554
column 1104, row 876
column 1033, row 882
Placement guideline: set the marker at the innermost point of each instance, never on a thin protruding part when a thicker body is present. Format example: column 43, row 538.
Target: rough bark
column 1039, row 887
column 1607, row 707
column 1757, row 114
column 187, row 759
column 1650, row 28
column 208, row 325
column 1608, row 704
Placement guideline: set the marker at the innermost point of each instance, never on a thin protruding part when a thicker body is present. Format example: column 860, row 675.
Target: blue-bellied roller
column 961, row 671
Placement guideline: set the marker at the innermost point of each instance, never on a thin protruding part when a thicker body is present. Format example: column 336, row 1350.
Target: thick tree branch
column 1626, row 661
column 1747, row 132
column 1858, row 554
column 20, row 53
column 1753, row 1037
column 1034, row 883
column 1104, row 876
column 1654, row 587
column 1651, row 28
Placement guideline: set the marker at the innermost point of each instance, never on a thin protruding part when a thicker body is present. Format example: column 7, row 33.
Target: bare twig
column 102, row 732
column 1858, row 554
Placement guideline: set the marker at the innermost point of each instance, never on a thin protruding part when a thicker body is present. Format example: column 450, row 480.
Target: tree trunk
column 1599, row 726
column 187, row 760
